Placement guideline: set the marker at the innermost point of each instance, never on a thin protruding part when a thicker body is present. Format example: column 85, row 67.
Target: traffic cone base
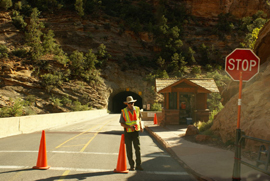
column 122, row 158
column 42, row 154
column 124, row 171
column 41, row 168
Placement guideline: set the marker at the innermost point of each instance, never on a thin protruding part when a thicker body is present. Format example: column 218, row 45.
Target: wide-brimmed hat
column 129, row 100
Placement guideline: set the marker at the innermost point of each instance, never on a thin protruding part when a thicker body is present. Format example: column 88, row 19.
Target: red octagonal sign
column 242, row 60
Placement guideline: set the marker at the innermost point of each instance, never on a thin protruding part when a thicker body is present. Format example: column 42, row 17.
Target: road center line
column 94, row 136
column 64, row 175
column 76, row 136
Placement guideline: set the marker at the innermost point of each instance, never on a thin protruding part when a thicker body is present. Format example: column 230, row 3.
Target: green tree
column 77, row 63
column 253, row 25
column 51, row 47
column 90, row 60
column 33, row 35
column 18, row 20
column 161, row 62
column 102, row 55
column 79, row 7
column 46, row 5
column 191, row 57
column 5, row 4
column 18, row 5
column 178, row 64
column 163, row 25
column 49, row 43
column 61, row 57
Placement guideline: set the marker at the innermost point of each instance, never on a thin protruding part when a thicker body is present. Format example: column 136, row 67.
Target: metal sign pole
column 237, row 156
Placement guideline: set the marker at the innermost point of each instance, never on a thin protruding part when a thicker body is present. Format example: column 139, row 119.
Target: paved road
column 83, row 151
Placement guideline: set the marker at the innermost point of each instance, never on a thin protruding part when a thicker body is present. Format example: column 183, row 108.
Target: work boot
column 139, row 168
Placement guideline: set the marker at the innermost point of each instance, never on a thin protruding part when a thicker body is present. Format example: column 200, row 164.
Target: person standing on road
column 131, row 121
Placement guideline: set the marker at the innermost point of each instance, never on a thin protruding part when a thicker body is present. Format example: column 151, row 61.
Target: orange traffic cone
column 155, row 119
column 122, row 159
column 42, row 154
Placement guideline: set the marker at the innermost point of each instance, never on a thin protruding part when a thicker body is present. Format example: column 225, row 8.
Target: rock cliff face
column 212, row 8
column 262, row 44
column 255, row 111
column 74, row 33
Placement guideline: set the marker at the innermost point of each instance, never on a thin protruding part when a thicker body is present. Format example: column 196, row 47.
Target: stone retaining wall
column 27, row 124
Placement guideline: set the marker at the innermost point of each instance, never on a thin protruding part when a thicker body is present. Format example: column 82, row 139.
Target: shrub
column 209, row 67
column 29, row 111
column 213, row 113
column 4, row 112
column 51, row 79
column 3, row 49
column 208, row 132
column 220, row 79
column 5, row 4
column 203, row 126
column 66, row 101
column 20, row 52
column 156, row 107
column 57, row 102
column 16, row 109
column 77, row 106
column 3, row 55
column 214, row 102
column 18, row 5
column 60, row 56
column 18, row 20
column 196, row 70
column 29, row 100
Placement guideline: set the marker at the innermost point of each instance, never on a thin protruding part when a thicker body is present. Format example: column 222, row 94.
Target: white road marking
column 14, row 167
column 75, row 152
column 91, row 170
column 18, row 151
column 166, row 173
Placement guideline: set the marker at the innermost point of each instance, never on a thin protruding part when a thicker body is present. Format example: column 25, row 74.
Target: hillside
column 123, row 45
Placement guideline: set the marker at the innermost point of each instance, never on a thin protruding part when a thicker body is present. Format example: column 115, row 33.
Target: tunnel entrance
column 119, row 99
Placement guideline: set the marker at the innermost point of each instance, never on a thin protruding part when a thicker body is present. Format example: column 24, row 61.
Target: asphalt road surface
column 84, row 151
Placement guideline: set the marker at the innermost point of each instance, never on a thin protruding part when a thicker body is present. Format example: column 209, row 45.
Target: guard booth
column 185, row 99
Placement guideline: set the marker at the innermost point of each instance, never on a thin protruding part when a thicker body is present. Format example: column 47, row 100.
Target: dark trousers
column 133, row 137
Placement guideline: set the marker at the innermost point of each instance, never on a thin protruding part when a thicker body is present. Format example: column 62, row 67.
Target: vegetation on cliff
column 166, row 23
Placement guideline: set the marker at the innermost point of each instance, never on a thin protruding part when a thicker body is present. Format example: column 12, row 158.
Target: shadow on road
column 81, row 176
column 21, row 170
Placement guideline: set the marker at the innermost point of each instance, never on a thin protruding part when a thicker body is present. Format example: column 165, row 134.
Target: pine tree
column 49, row 44
column 79, row 7
column 33, row 35
column 91, row 60
column 5, row 4
column 77, row 63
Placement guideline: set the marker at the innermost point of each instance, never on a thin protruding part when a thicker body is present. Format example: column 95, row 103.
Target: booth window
column 173, row 100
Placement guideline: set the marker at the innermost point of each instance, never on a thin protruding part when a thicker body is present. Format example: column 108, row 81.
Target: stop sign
column 242, row 60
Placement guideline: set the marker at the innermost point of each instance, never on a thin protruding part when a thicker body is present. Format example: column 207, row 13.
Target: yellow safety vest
column 132, row 119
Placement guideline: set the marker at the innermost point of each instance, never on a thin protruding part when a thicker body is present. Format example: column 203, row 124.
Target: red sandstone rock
column 191, row 130
column 203, row 138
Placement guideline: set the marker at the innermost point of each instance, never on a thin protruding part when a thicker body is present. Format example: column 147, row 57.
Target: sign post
column 241, row 65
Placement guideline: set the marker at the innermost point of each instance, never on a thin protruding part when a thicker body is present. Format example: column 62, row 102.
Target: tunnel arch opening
column 119, row 99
